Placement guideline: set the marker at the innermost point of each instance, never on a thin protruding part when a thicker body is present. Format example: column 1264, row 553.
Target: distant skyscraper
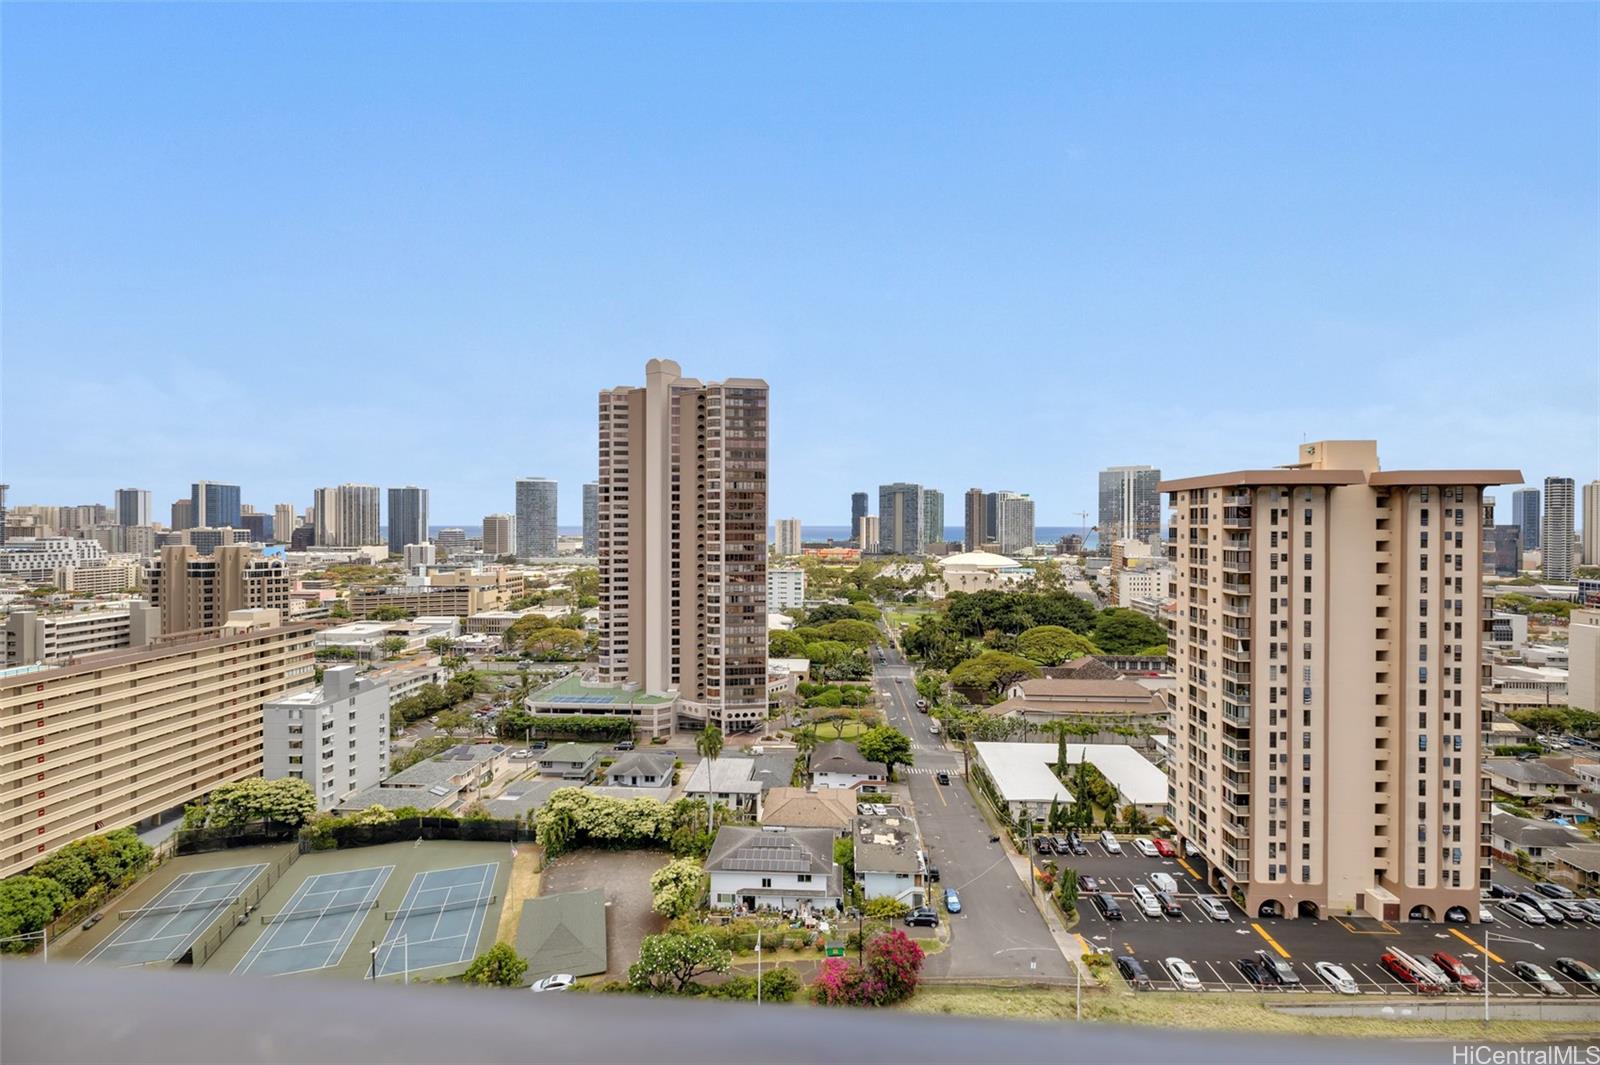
column 1130, row 506
column 900, row 518
column 1556, row 536
column 683, row 552
column 215, row 505
column 449, row 542
column 347, row 516
column 1591, row 524
column 858, row 509
column 499, row 535
column 1526, row 512
column 591, row 519
column 259, row 526
column 786, row 538
column 932, row 516
column 408, row 518
column 536, row 517
column 133, row 506
column 866, row 533
column 1014, row 521
column 1503, row 550
column 284, row 522
column 182, row 515
column 973, row 512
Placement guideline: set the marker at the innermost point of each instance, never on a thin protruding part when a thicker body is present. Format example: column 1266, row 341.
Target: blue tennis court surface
column 316, row 925
column 439, row 921
column 168, row 925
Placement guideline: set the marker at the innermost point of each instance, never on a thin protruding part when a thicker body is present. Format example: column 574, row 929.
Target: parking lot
column 1213, row 948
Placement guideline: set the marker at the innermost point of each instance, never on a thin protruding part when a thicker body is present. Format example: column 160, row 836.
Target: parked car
column 1522, row 911
column 1042, row 844
column 1553, row 891
column 539, row 745
column 1060, row 844
column 1133, row 972
column 1456, row 972
column 1485, row 915
column 1336, row 977
column 1458, row 915
column 1280, row 971
column 1183, row 975
column 1110, row 843
column 1539, row 978
column 922, row 704
column 1145, row 899
column 1214, row 908
column 933, row 874
column 1163, row 882
column 1145, row 848
column 557, row 982
column 625, row 745
column 1581, row 972
column 952, row 901
column 1253, row 972
column 1409, row 970
column 1089, row 883
column 1078, row 846
column 1190, row 850
column 1571, row 908
column 1169, row 904
column 1500, row 891
column 923, row 915
column 1543, row 905
column 943, row 777
column 522, row 752
column 1109, row 908
column 1165, row 849
column 1591, row 907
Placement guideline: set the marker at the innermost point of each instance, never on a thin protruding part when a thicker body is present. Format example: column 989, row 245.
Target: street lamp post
column 758, row 966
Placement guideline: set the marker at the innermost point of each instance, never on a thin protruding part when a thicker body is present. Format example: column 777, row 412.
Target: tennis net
column 442, row 907
column 311, row 913
column 175, row 907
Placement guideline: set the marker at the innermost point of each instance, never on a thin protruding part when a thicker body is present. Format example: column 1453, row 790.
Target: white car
column 1335, row 977
column 1214, row 907
column 1146, row 848
column 1485, row 915
column 1183, row 975
column 1148, row 904
column 1522, row 911
column 1110, row 843
column 1163, row 882
column 558, row 982
column 522, row 753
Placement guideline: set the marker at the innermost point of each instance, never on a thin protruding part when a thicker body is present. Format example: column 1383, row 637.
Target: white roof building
column 1023, row 776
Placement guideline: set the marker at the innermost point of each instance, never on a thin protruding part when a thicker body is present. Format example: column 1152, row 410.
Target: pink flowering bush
column 893, row 965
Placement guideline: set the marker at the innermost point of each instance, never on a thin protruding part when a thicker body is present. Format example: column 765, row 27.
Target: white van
column 933, row 728
column 1146, row 900
column 1164, row 882
column 1109, row 842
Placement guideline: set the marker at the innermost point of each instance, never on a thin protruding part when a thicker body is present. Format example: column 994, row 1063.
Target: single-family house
column 837, row 764
column 889, row 859
column 1578, row 865
column 641, row 769
column 773, row 868
column 1538, row 839
column 570, row 761
column 830, row 808
column 729, row 781
column 451, row 778
column 1531, row 779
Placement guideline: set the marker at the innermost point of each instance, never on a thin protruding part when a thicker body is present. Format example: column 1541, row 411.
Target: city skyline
column 128, row 275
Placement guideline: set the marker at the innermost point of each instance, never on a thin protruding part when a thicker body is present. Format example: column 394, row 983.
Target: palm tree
column 709, row 744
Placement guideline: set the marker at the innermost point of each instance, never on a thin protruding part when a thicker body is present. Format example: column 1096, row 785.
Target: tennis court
column 169, row 925
column 317, row 924
column 439, row 921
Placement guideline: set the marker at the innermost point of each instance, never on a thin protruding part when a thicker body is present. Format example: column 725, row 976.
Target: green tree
column 1050, row 645
column 1120, row 631
column 1135, row 819
column 993, row 671
column 453, row 721
column 440, row 645
column 339, row 609
column 930, row 684
column 670, row 962
column 781, row 644
column 677, row 888
column 887, row 745
column 499, row 966
column 1067, row 889
column 387, row 613
column 27, row 904
column 286, row 801
column 556, row 645
column 844, row 855
column 392, row 645
column 709, row 746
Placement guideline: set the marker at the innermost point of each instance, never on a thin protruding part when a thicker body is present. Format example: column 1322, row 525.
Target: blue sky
column 291, row 245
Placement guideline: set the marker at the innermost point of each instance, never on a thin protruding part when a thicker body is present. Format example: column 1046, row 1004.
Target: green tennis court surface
column 440, row 920
column 317, row 924
column 169, row 925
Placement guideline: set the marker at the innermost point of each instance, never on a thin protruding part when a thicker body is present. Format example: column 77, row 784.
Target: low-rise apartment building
column 59, row 637
column 335, row 737
column 116, row 740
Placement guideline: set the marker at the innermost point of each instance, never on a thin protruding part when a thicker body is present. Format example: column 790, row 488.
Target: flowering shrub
column 893, row 965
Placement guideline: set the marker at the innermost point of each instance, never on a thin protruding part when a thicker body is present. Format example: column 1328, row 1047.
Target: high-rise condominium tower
column 900, row 518
column 974, row 513
column 182, row 515
column 408, row 518
column 1556, row 536
column 347, row 516
column 215, row 505
column 1591, row 524
column 858, row 509
column 197, row 592
column 1130, row 503
column 284, row 522
column 1013, row 522
column 786, row 537
column 591, row 519
column 682, row 547
column 1526, row 512
column 499, row 535
column 932, row 516
column 536, row 517
column 1328, row 626
column 133, row 506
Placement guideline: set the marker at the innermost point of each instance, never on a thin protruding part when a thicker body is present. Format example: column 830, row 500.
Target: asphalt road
column 999, row 932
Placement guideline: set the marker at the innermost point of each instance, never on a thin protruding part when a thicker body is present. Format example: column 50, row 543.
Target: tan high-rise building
column 197, row 592
column 347, row 516
column 1326, row 728
column 284, row 522
column 115, row 739
column 786, row 537
column 499, row 535
column 866, row 533
column 1591, row 524
column 682, row 516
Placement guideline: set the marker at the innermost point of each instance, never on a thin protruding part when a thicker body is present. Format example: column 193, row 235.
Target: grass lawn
column 1208, row 1011
column 850, row 730
column 900, row 617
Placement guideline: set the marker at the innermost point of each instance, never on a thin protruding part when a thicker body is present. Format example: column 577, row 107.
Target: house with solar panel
column 772, row 868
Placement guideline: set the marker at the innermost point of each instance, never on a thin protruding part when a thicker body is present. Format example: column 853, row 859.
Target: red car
column 1164, row 848
column 1457, row 972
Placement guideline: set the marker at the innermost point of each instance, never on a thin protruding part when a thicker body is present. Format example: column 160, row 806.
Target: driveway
column 625, row 878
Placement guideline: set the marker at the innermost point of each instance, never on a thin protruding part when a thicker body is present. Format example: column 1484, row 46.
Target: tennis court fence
column 476, row 829
column 237, row 912
column 254, row 834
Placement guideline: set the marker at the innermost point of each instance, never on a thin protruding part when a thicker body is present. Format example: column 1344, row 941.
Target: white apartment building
column 32, row 637
column 1142, row 582
column 1327, row 637
column 786, row 588
column 1557, row 536
column 786, row 537
column 334, row 737
column 682, row 543
column 1583, row 660
column 38, row 558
